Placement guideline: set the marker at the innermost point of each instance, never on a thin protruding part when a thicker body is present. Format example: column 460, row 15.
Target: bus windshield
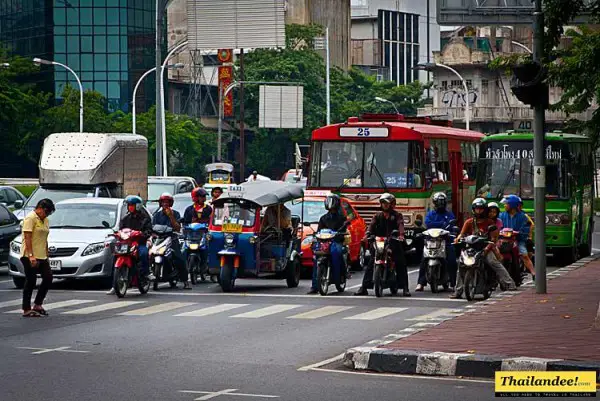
column 367, row 165
column 507, row 168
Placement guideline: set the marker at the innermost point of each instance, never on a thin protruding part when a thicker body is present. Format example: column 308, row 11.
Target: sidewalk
column 522, row 331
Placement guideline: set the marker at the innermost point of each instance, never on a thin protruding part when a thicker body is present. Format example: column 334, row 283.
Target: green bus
column 505, row 166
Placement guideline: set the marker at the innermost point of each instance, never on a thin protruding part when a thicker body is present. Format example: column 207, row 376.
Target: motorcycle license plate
column 433, row 245
column 232, row 228
column 55, row 265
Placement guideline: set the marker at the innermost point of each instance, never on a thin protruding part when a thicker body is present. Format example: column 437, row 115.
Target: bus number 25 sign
column 364, row 132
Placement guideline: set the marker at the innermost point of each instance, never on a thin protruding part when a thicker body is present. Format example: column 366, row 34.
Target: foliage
column 26, row 190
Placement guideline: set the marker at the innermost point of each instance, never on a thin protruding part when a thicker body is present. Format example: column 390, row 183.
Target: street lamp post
column 522, row 46
column 49, row 62
column 431, row 66
column 323, row 44
column 382, row 100
column 178, row 65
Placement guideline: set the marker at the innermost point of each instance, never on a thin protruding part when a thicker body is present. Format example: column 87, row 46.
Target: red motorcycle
column 127, row 269
column 509, row 250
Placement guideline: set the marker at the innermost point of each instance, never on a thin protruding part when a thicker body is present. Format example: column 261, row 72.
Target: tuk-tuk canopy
column 262, row 193
column 219, row 166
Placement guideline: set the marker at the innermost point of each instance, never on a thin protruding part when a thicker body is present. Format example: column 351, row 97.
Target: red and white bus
column 409, row 157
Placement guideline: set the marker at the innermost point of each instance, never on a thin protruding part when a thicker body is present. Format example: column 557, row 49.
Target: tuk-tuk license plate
column 55, row 265
column 232, row 228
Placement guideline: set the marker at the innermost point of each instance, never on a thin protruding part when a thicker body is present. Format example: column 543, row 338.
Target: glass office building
column 108, row 43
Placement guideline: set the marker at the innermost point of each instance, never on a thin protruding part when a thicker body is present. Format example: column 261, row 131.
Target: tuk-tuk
column 218, row 175
column 246, row 236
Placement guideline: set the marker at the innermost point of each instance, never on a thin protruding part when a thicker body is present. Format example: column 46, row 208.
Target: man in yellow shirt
column 34, row 257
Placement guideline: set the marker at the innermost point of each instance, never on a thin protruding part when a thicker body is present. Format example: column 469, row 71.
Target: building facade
column 493, row 107
column 390, row 37
column 108, row 43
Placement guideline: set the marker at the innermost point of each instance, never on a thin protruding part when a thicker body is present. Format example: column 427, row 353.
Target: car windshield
column 6, row 217
column 235, row 213
column 368, row 165
column 180, row 204
column 84, row 216
column 56, row 195
column 156, row 189
column 313, row 210
column 507, row 168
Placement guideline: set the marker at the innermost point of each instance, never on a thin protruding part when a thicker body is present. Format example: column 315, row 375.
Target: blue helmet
column 513, row 201
column 135, row 200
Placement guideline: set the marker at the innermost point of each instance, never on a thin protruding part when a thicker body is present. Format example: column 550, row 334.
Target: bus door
column 456, row 176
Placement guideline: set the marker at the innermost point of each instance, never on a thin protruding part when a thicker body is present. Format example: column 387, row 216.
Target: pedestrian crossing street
column 297, row 312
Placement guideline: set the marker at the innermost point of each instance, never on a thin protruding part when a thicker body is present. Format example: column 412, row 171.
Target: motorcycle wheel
column 433, row 282
column 378, row 280
column 156, row 271
column 293, row 273
column 226, row 280
column 193, row 267
column 173, row 283
column 322, row 279
column 214, row 278
column 393, row 283
column 143, row 285
column 341, row 287
column 121, row 281
column 471, row 278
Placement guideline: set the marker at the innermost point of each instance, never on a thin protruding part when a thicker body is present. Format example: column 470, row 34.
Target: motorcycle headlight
column 93, row 249
column 307, row 241
column 252, row 240
column 229, row 240
column 15, row 247
column 468, row 260
column 193, row 247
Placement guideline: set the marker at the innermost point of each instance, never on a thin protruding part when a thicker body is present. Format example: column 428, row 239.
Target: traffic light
column 527, row 84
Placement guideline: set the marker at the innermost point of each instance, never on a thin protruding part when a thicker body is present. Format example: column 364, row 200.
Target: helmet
column 134, row 200
column 479, row 203
column 493, row 205
column 332, row 202
column 387, row 198
column 166, row 197
column 255, row 172
column 198, row 193
column 513, row 201
column 440, row 200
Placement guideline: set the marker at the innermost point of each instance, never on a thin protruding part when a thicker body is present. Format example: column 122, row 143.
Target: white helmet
column 387, row 198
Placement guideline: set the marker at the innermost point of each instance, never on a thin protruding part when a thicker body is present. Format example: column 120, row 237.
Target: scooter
column 322, row 251
column 385, row 274
column 126, row 268
column 195, row 247
column 434, row 255
column 161, row 256
column 509, row 250
column 478, row 278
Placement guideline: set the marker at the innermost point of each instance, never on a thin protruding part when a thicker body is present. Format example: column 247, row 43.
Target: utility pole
column 159, row 102
column 242, row 128
column 328, row 90
column 539, row 159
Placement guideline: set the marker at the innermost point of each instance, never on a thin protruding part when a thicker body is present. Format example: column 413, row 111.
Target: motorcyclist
column 334, row 220
column 199, row 212
column 493, row 213
column 382, row 225
column 440, row 217
column 478, row 225
column 166, row 216
column 137, row 219
column 514, row 218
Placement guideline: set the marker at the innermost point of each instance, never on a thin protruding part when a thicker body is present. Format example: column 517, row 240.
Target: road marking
column 103, row 307
column 209, row 395
column 321, row 312
column 322, row 363
column 61, row 304
column 47, row 350
column 212, row 310
column 11, row 303
column 433, row 315
column 376, row 314
column 269, row 310
column 5, row 281
column 150, row 310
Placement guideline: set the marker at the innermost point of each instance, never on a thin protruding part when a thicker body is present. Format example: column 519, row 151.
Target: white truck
column 74, row 165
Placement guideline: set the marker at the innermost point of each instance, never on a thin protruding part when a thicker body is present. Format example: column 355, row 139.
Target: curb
column 369, row 357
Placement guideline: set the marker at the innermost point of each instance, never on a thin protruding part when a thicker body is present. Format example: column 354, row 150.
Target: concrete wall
column 336, row 14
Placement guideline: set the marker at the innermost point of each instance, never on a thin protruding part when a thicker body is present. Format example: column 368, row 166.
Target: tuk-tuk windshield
column 219, row 175
column 235, row 213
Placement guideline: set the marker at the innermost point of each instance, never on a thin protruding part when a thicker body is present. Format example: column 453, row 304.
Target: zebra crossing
column 140, row 308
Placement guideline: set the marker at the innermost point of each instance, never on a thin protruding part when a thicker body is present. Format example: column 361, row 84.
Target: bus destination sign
column 510, row 151
column 364, row 132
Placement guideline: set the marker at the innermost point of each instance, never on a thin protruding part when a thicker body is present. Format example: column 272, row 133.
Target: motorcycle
column 478, row 278
column 161, row 257
column 385, row 274
column 322, row 251
column 126, row 268
column 434, row 255
column 509, row 250
column 195, row 247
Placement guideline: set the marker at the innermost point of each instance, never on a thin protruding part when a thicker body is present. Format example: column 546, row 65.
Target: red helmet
column 198, row 193
column 166, row 197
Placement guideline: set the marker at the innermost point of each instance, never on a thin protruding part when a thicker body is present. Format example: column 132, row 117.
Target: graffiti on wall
column 456, row 98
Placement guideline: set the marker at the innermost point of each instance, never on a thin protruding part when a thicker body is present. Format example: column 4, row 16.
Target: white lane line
column 14, row 302
column 103, row 307
column 360, row 285
column 61, row 304
column 376, row 314
column 433, row 315
column 321, row 312
column 150, row 310
column 269, row 310
column 5, row 281
column 322, row 363
column 211, row 310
